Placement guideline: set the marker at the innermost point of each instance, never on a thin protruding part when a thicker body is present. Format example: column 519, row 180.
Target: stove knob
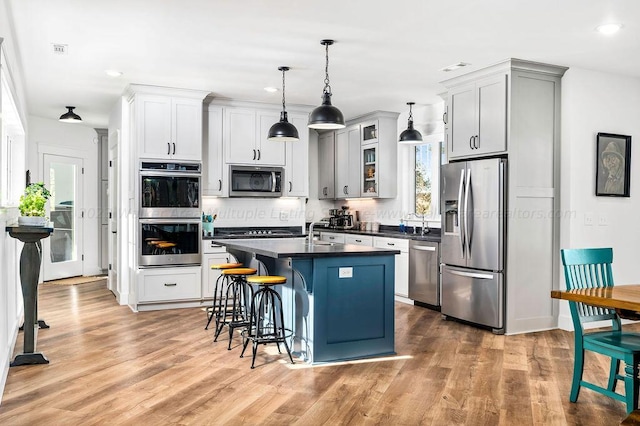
column 268, row 232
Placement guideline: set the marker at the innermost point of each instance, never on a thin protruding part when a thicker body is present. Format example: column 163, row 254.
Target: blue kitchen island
column 338, row 300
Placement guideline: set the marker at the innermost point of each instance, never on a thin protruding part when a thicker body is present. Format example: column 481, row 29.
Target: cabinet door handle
column 391, row 244
column 254, row 154
column 444, row 117
column 174, row 148
column 345, row 189
column 290, row 186
column 324, row 191
column 168, row 148
column 477, row 143
column 219, row 184
column 259, row 155
column 170, row 284
column 358, row 241
column 332, row 238
column 471, row 142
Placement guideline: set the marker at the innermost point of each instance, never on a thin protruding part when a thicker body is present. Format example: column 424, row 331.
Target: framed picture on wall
column 613, row 165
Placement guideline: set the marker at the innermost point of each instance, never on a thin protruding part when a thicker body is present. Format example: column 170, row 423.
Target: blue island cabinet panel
column 352, row 307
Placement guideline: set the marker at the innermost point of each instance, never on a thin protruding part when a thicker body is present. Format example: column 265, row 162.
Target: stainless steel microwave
column 255, row 181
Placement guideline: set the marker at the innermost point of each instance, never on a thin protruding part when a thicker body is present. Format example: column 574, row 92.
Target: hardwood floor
column 112, row 366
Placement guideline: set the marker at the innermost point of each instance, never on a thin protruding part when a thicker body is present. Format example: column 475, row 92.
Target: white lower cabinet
column 212, row 254
column 359, row 240
column 402, row 262
column 169, row 284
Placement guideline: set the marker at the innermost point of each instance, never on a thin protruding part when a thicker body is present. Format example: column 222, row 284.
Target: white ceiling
column 386, row 52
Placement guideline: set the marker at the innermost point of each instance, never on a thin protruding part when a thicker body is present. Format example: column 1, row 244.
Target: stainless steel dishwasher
column 424, row 272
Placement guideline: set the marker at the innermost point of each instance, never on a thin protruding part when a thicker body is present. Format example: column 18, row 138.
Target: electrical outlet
column 284, row 216
column 588, row 219
column 602, row 221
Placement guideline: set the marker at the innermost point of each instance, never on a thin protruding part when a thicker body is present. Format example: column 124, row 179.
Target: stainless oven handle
column 273, row 180
column 172, row 173
column 190, row 221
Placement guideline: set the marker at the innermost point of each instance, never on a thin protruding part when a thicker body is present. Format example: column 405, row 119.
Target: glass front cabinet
column 369, row 132
column 370, row 172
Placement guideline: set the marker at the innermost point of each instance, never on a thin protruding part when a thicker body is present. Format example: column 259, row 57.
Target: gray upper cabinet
column 326, row 166
column 347, row 171
column 478, row 118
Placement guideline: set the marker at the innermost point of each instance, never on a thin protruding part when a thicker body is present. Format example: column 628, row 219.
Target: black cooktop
column 259, row 232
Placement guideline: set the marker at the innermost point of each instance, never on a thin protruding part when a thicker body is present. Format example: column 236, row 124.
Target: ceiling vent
column 60, row 49
column 455, row 66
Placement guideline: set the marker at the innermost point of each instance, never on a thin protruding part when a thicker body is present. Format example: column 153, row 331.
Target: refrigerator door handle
column 462, row 217
column 472, row 275
column 468, row 230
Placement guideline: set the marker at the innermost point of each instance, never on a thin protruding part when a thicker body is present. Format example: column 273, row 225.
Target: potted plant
column 32, row 205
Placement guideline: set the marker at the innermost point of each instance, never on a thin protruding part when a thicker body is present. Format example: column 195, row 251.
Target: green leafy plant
column 32, row 203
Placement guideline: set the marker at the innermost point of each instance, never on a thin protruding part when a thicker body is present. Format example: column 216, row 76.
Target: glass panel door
column 370, row 175
column 62, row 251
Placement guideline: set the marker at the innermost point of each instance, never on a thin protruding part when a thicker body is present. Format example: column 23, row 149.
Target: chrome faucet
column 320, row 222
column 424, row 229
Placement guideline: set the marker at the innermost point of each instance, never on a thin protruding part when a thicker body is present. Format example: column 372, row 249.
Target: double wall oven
column 169, row 224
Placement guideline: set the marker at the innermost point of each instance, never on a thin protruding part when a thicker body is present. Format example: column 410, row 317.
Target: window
column 427, row 160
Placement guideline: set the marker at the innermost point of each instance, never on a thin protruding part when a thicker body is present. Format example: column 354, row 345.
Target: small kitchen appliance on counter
column 342, row 218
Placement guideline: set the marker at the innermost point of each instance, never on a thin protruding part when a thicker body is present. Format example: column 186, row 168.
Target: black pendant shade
column 70, row 116
column 326, row 116
column 283, row 131
column 410, row 135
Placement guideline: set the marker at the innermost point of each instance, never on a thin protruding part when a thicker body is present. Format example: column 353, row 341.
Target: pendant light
column 70, row 116
column 326, row 116
column 410, row 135
column 283, row 131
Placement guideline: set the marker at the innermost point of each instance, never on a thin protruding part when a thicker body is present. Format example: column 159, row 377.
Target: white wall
column 10, row 294
column 594, row 102
column 77, row 140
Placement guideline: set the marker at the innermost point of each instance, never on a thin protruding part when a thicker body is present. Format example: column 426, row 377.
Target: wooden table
column 625, row 299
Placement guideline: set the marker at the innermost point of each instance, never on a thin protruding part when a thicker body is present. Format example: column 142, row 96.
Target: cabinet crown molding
column 372, row 115
column 228, row 102
column 136, row 89
column 506, row 66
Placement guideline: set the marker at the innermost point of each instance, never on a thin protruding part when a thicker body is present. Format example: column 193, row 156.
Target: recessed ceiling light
column 271, row 89
column 608, row 29
column 455, row 66
column 113, row 73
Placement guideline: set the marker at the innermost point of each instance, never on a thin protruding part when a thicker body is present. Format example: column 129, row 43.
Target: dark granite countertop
column 389, row 232
column 297, row 247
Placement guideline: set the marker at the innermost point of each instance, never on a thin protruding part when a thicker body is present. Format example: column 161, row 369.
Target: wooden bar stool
column 218, row 292
column 234, row 310
column 266, row 320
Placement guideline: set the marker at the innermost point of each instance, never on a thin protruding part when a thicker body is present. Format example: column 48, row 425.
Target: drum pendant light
column 70, row 116
column 326, row 116
column 410, row 135
column 283, row 131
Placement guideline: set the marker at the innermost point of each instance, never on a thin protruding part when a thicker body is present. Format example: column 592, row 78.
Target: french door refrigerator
column 473, row 241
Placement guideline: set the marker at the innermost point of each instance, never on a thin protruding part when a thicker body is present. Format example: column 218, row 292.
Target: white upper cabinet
column 214, row 178
column 478, row 118
column 326, row 166
column 347, row 169
column 245, row 137
column 296, row 172
column 167, row 122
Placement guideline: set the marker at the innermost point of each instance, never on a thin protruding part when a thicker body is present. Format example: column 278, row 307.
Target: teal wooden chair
column 585, row 268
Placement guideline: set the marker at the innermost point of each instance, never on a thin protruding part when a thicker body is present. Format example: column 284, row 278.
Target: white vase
column 32, row 221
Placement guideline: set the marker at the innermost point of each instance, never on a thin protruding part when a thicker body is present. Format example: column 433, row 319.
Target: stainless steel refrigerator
column 473, row 241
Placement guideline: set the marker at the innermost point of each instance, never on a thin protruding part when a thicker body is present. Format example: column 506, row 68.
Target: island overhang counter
column 338, row 300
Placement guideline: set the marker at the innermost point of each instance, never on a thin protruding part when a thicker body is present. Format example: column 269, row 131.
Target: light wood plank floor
column 112, row 366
